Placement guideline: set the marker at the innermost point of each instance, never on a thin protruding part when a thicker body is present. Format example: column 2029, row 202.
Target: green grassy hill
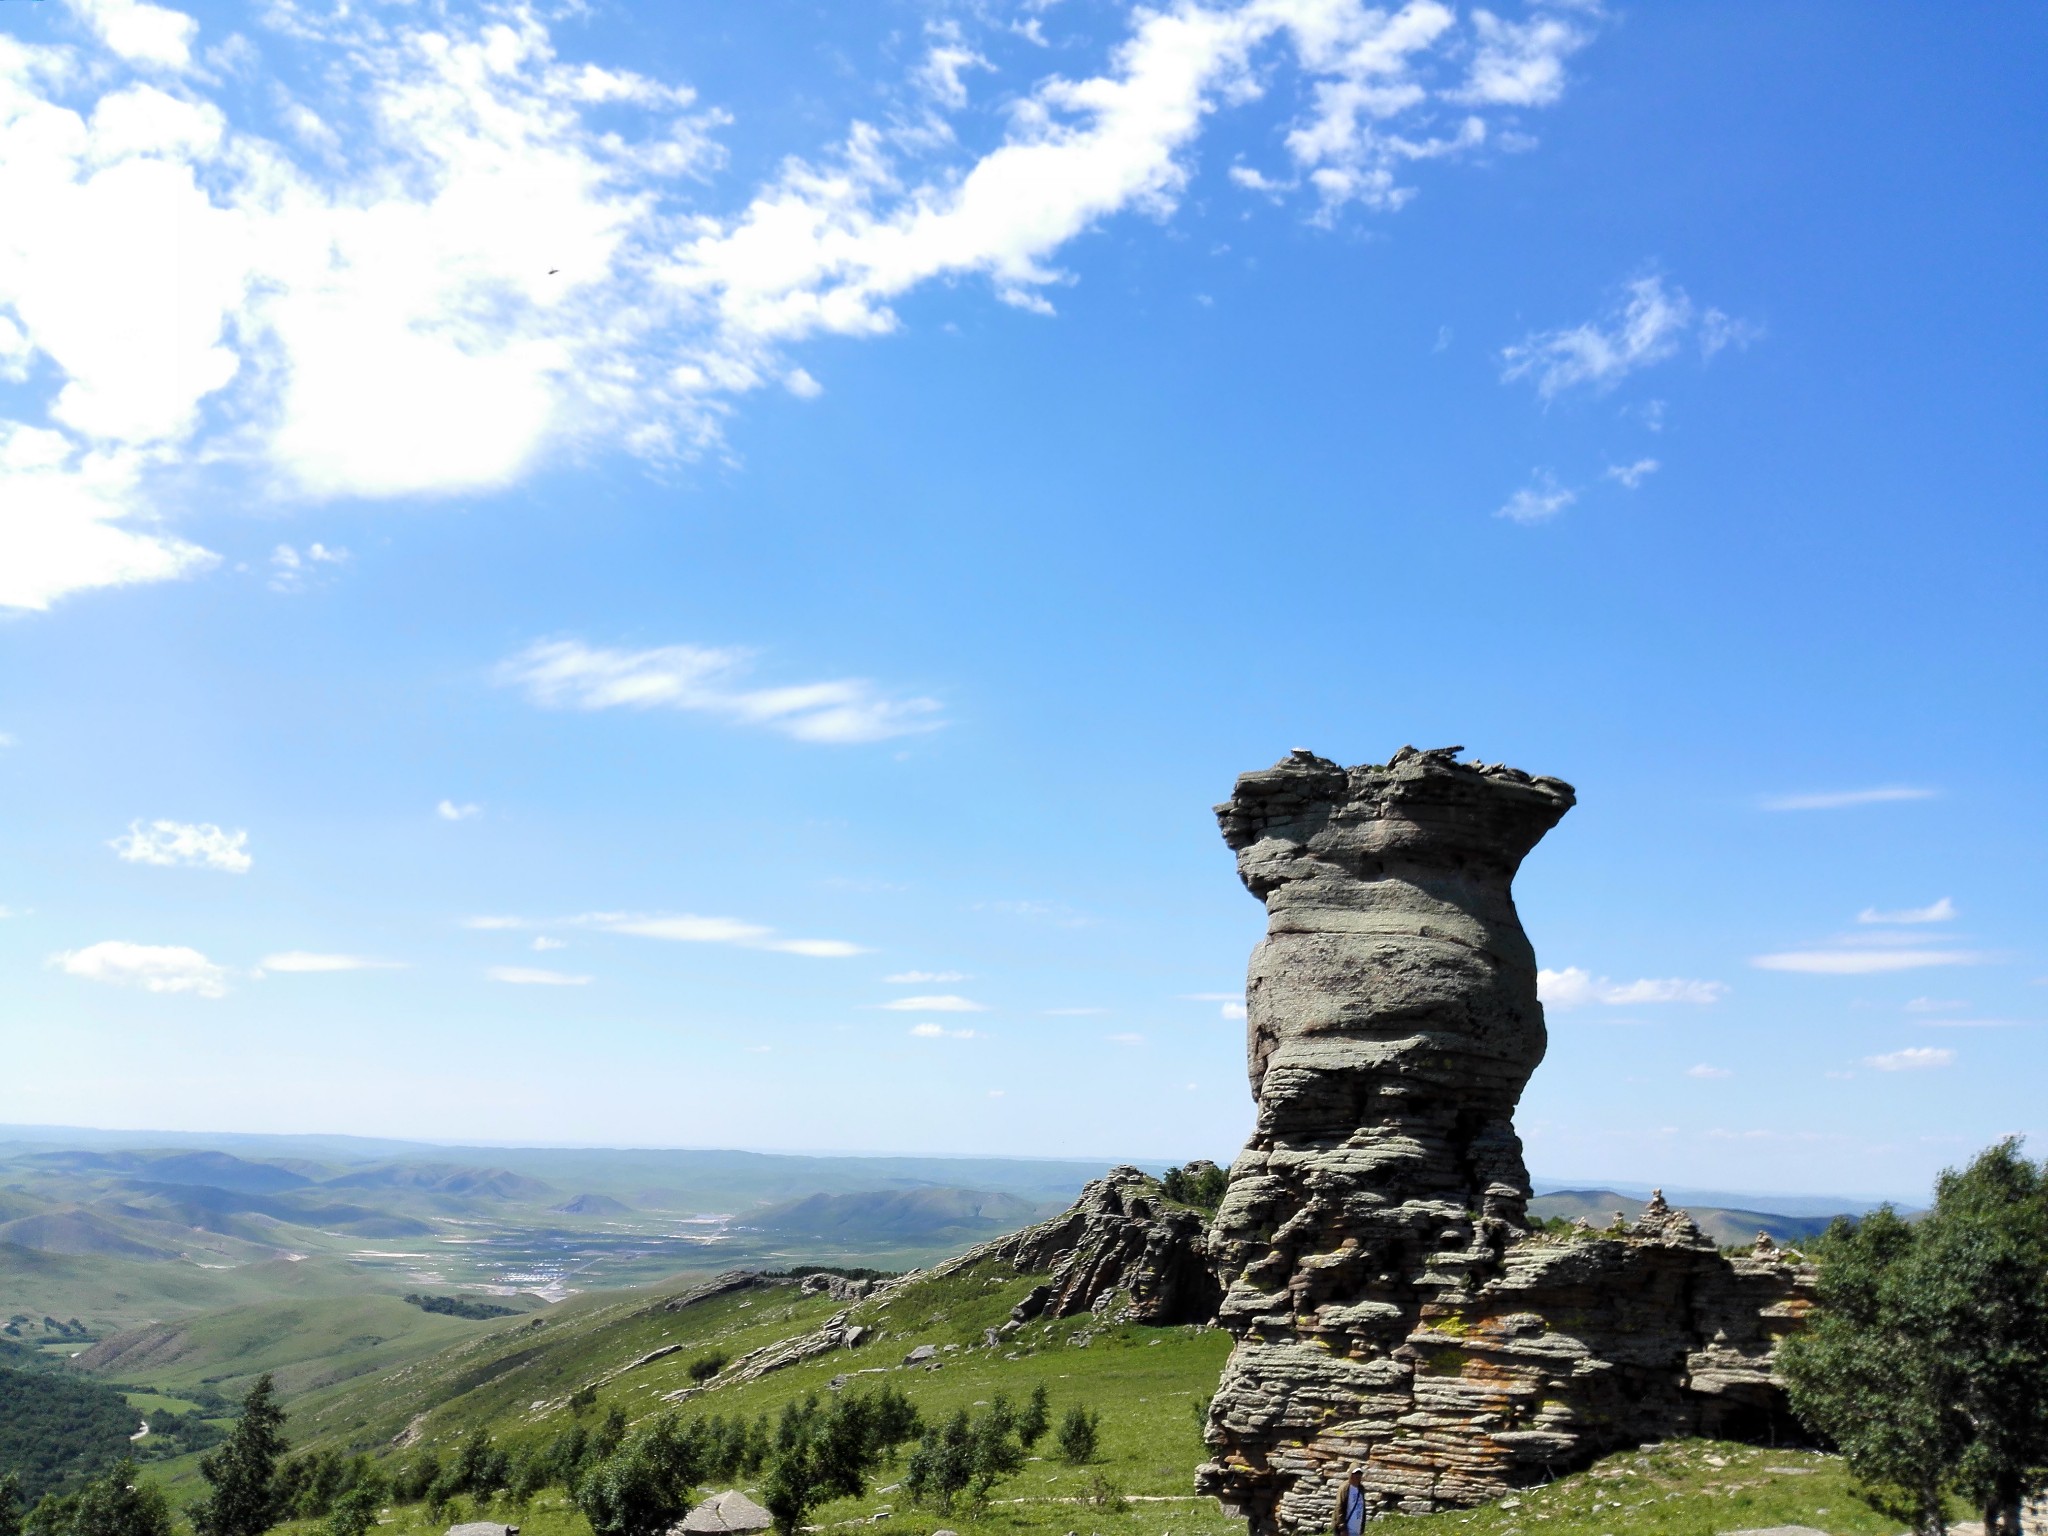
column 115, row 1294
column 1150, row 1385
column 307, row 1344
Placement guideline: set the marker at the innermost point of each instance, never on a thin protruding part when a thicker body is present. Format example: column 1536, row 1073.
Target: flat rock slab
column 1777, row 1530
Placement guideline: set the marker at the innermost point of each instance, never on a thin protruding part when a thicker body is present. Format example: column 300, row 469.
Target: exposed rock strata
column 1390, row 1305
column 1120, row 1249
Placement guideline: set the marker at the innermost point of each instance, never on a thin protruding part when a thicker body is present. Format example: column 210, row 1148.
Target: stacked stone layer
column 1390, row 1305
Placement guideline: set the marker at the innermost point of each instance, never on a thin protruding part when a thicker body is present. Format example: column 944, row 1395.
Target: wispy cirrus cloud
column 1574, row 987
column 1647, row 325
column 567, row 674
column 171, row 968
column 302, row 962
column 457, row 810
column 196, row 845
column 681, row 928
column 1629, row 476
column 1844, row 799
column 1538, row 501
column 535, row 976
column 1874, row 961
column 1916, row 1058
column 1941, row 911
column 446, row 254
column 939, row 1032
column 941, row 1003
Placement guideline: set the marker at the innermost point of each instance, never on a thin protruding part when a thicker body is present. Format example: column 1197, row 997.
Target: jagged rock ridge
column 1390, row 1304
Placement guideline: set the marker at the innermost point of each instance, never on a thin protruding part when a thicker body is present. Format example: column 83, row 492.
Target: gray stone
column 727, row 1511
column 1391, row 1306
column 921, row 1354
column 482, row 1528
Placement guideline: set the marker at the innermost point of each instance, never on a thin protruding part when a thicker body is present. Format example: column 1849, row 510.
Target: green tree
column 10, row 1504
column 1036, row 1418
column 242, row 1473
column 824, row 1453
column 1078, row 1436
column 114, row 1505
column 965, row 1458
column 644, row 1486
column 1927, row 1359
column 354, row 1513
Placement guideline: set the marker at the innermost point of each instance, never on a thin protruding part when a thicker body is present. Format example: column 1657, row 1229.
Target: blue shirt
column 1354, row 1510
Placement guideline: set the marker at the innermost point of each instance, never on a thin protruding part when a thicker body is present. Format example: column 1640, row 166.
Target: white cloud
column 456, row 254
column 152, row 967
column 1935, row 1005
column 289, row 568
column 1232, row 1011
column 920, row 978
column 1519, row 65
column 1574, row 987
column 939, row 1004
column 567, row 674
column 1941, row 911
column 299, row 960
column 940, row 1032
column 542, row 944
column 1864, row 962
column 995, row 1093
column 139, row 32
column 946, row 62
column 799, row 382
column 201, row 845
column 1126, row 1038
column 1629, row 476
column 449, row 810
column 531, row 976
column 1538, row 501
column 1916, row 1058
column 1644, row 327
column 680, row 928
column 72, row 519
column 1707, row 1072
column 1842, row 799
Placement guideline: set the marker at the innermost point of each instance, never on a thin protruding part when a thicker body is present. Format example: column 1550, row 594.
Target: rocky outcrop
column 1391, row 1306
column 1120, row 1250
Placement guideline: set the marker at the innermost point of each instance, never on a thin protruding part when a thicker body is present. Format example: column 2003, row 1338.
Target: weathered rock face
column 1120, row 1247
column 1390, row 1306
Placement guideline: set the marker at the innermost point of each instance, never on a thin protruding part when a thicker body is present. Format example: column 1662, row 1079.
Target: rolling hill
column 896, row 1216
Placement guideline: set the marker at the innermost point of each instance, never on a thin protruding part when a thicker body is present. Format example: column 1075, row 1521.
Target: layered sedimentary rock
column 1121, row 1249
column 1390, row 1304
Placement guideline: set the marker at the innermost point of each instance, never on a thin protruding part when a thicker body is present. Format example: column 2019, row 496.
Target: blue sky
column 691, row 578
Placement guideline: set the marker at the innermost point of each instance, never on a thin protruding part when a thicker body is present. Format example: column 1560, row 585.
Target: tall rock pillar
column 1392, row 1023
column 1391, row 1306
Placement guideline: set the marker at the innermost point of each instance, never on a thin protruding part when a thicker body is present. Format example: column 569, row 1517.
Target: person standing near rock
column 1349, row 1519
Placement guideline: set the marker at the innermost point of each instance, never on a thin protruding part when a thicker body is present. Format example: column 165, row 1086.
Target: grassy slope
column 307, row 1344
column 1146, row 1384
column 112, row 1294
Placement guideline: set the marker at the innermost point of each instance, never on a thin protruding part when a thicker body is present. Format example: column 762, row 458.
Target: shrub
column 1078, row 1436
column 704, row 1367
